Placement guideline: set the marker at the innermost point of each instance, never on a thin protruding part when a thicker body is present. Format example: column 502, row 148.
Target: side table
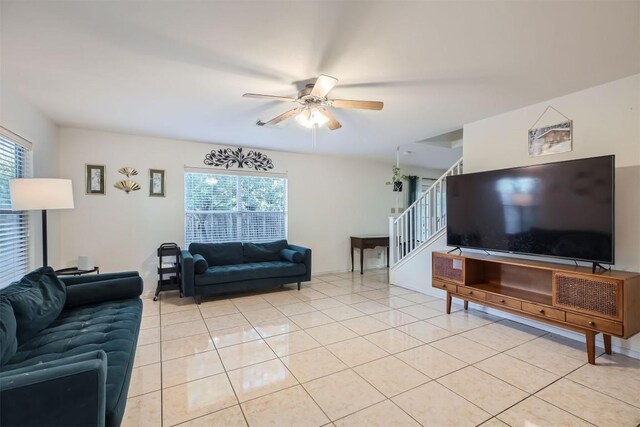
column 73, row 271
column 368, row 242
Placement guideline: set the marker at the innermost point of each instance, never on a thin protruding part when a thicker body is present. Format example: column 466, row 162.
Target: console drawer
column 542, row 311
column 506, row 301
column 444, row 286
column 606, row 326
column 471, row 293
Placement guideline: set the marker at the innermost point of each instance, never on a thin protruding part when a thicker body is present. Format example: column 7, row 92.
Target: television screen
column 562, row 209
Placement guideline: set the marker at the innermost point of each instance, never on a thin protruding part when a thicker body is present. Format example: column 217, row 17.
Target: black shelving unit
column 169, row 259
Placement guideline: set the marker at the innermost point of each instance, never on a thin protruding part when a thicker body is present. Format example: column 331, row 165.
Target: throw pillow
column 261, row 252
column 200, row 264
column 37, row 300
column 291, row 256
column 228, row 253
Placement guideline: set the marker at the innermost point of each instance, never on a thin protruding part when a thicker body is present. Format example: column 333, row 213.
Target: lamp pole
column 44, row 238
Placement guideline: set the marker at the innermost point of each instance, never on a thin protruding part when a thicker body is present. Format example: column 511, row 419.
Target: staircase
column 421, row 226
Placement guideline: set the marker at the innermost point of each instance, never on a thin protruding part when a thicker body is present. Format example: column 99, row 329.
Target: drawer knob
column 502, row 300
column 470, row 292
column 592, row 323
column 541, row 311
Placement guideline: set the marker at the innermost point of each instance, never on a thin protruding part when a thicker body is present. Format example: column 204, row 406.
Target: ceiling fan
column 314, row 110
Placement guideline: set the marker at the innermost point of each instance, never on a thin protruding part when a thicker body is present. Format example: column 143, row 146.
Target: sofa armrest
column 103, row 287
column 187, row 274
column 64, row 392
column 306, row 253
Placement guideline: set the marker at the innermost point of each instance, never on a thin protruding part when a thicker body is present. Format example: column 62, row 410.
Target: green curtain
column 413, row 190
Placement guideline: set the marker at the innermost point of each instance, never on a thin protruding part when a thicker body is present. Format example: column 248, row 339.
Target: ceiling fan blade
column 323, row 86
column 362, row 105
column 332, row 124
column 278, row 98
column 281, row 117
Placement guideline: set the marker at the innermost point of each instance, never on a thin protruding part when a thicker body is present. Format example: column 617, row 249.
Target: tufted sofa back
column 27, row 307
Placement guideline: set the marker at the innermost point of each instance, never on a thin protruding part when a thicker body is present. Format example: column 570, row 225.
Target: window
column 225, row 207
column 14, row 226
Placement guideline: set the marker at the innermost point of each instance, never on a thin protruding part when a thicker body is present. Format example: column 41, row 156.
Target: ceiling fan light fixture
column 312, row 117
column 311, row 112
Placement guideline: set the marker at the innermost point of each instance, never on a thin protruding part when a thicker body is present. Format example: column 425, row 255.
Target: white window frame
column 238, row 212
column 15, row 243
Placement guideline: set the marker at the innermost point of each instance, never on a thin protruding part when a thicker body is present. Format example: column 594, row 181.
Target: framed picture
column 94, row 179
column 551, row 139
column 156, row 183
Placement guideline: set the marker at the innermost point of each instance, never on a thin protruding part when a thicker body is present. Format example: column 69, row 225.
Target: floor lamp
column 30, row 194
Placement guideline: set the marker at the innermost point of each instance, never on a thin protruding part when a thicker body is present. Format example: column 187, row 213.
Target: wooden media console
column 570, row 297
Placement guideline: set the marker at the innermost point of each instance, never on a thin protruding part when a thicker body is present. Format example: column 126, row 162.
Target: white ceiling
column 178, row 68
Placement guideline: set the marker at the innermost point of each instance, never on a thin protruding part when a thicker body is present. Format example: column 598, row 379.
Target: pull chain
column 313, row 135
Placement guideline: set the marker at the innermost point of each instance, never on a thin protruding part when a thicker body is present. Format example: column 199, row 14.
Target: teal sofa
column 218, row 268
column 67, row 348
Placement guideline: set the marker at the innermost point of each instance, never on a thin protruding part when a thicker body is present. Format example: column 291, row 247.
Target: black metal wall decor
column 229, row 157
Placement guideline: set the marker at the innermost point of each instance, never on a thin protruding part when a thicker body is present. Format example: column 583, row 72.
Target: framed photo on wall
column 94, row 179
column 551, row 139
column 156, row 183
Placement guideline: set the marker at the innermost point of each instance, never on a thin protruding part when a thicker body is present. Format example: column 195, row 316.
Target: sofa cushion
column 248, row 271
column 8, row 340
column 291, row 256
column 218, row 253
column 112, row 327
column 200, row 264
column 37, row 300
column 259, row 252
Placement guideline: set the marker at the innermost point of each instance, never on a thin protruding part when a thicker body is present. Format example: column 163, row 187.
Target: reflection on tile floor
column 353, row 350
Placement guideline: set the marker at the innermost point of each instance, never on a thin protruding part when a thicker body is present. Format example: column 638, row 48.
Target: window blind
column 232, row 207
column 14, row 225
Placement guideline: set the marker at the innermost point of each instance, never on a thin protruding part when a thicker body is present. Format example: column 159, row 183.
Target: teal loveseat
column 67, row 348
column 218, row 268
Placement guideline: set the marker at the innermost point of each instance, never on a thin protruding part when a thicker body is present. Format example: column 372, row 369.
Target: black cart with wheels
column 169, row 259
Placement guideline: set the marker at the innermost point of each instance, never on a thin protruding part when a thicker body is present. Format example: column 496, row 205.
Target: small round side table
column 73, row 271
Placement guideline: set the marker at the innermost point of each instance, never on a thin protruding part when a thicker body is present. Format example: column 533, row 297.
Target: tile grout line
column 226, row 372
column 294, row 376
column 348, row 368
column 529, row 394
column 358, row 335
column 161, row 378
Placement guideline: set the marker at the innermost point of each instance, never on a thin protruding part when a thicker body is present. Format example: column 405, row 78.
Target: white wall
column 23, row 119
column 330, row 198
column 415, row 272
column 606, row 120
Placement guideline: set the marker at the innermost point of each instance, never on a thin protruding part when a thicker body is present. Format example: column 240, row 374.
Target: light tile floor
column 352, row 350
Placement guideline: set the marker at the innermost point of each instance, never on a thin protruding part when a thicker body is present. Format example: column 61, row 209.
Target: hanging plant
column 396, row 179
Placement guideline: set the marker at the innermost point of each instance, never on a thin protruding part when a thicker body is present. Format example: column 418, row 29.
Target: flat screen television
column 563, row 209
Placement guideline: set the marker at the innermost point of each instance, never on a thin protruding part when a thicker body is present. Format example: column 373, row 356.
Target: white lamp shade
column 40, row 194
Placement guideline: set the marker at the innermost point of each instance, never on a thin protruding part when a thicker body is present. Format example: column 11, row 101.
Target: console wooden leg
column 466, row 305
column 607, row 343
column 448, row 303
column 591, row 346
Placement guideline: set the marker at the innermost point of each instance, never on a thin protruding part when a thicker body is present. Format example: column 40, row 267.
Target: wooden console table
column 368, row 242
column 566, row 296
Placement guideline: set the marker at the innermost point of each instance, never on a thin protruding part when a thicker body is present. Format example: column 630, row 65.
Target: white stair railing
column 421, row 221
